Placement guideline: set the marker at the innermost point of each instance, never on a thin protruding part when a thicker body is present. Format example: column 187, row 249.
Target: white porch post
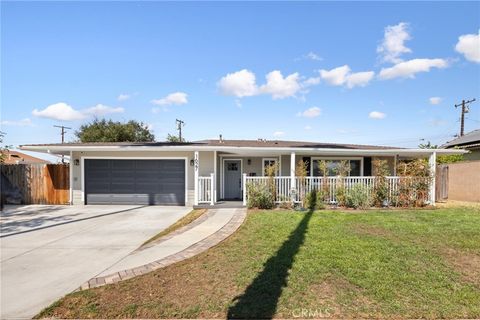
column 432, row 161
column 214, row 177
column 395, row 160
column 196, row 165
column 70, row 177
column 292, row 175
column 244, row 184
column 212, row 188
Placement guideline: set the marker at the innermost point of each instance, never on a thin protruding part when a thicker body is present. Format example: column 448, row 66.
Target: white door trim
column 82, row 168
column 223, row 173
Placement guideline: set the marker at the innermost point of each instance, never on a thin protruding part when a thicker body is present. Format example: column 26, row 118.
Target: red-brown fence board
column 39, row 183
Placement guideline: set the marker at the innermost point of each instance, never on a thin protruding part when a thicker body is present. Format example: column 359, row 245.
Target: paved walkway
column 185, row 243
column 49, row 251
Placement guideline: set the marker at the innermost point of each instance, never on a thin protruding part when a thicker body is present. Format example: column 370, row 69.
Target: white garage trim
column 82, row 166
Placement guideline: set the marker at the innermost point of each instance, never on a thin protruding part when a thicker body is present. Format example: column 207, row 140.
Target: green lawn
column 376, row 264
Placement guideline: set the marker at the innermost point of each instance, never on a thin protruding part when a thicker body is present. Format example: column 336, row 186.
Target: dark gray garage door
column 135, row 181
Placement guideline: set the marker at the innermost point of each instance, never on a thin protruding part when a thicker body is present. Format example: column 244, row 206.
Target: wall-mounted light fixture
column 249, row 161
column 192, row 162
column 76, row 162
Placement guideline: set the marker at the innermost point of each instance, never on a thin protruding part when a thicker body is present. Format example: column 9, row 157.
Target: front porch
column 227, row 184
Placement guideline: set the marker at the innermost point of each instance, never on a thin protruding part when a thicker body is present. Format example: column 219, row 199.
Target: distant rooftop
column 15, row 157
column 471, row 139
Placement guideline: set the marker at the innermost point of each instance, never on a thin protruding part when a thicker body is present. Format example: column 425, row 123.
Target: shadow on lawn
column 261, row 297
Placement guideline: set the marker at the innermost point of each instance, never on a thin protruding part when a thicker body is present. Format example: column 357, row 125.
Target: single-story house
column 470, row 142
column 208, row 171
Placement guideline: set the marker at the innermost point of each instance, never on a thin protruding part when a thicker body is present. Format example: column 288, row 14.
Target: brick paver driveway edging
column 228, row 229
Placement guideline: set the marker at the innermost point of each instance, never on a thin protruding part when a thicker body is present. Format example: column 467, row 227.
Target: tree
column 427, row 145
column 451, row 158
column 114, row 131
column 173, row 138
column 3, row 149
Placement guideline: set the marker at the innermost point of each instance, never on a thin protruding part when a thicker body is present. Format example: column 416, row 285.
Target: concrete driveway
column 49, row 251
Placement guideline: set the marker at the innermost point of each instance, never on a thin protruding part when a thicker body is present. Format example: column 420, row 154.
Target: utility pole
column 465, row 109
column 63, row 137
column 180, row 124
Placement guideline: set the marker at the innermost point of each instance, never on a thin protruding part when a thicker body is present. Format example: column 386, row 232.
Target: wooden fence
column 441, row 183
column 36, row 183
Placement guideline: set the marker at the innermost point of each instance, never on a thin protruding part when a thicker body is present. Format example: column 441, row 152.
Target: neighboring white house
column 209, row 170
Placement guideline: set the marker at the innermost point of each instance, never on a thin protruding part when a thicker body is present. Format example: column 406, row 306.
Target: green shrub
column 358, row 197
column 340, row 195
column 260, row 196
column 380, row 192
column 314, row 200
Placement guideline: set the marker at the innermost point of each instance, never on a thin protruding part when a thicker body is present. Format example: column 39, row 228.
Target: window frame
column 270, row 159
column 338, row 159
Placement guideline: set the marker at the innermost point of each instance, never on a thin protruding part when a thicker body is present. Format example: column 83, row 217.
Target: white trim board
column 337, row 158
column 270, row 159
column 82, row 169
column 222, row 174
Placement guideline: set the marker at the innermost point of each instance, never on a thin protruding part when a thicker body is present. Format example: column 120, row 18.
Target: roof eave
column 59, row 149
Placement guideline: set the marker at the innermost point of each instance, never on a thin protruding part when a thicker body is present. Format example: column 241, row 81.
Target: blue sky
column 337, row 72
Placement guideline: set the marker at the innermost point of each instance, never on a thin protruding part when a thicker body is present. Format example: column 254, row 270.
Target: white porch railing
column 206, row 189
column 282, row 186
column 304, row 185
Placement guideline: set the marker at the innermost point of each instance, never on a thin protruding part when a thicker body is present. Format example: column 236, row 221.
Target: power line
column 63, row 137
column 180, row 124
column 465, row 109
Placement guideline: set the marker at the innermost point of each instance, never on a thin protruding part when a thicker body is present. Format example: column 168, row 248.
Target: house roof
column 471, row 139
column 239, row 147
column 260, row 143
column 15, row 157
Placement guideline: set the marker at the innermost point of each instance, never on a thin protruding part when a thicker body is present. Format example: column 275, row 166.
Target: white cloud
column 243, row 84
column 310, row 56
column 123, row 97
column 435, row 100
column 312, row 112
column 280, row 87
column 308, row 128
column 393, row 44
column 311, row 82
column 101, row 110
column 59, row 111
column 278, row 134
column 336, row 76
column 469, row 46
column 409, row 68
column 239, row 84
column 313, row 56
column 360, row 79
column 175, row 98
column 18, row 123
column 64, row 112
column 377, row 115
column 238, row 103
column 343, row 76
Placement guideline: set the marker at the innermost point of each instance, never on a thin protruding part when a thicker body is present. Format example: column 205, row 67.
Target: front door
column 233, row 179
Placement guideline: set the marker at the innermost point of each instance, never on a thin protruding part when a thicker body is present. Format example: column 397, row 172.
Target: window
column 332, row 166
column 232, row 166
column 268, row 163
